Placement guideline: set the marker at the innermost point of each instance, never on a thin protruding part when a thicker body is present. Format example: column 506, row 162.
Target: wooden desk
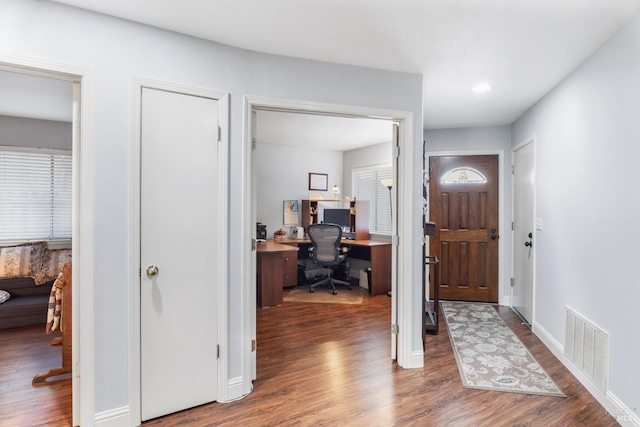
column 376, row 251
column 274, row 264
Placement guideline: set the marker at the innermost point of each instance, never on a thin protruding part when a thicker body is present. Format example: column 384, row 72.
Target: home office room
column 316, row 170
column 311, row 169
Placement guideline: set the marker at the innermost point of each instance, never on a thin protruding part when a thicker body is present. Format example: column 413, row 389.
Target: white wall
column 482, row 139
column 283, row 174
column 22, row 132
column 588, row 148
column 119, row 50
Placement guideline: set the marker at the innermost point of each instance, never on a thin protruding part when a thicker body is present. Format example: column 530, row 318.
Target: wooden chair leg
column 40, row 378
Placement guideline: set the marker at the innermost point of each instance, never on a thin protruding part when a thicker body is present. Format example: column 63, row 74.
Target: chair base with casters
column 331, row 283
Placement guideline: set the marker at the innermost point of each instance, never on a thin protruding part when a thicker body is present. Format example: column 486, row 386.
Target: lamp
column 335, row 192
column 388, row 182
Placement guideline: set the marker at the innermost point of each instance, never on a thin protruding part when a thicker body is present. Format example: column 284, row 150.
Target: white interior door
column 523, row 231
column 178, row 223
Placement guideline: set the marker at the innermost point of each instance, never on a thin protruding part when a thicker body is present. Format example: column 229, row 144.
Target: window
column 35, row 194
column 367, row 186
column 463, row 175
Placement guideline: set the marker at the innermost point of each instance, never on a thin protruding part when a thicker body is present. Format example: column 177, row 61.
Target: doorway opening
column 82, row 235
column 462, row 246
column 401, row 301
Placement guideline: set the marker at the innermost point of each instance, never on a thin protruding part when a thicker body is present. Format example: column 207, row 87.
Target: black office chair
column 326, row 251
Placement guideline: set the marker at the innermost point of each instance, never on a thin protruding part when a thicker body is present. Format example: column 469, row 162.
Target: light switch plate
column 538, row 223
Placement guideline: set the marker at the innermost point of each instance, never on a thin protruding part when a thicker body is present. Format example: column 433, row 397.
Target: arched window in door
column 463, row 175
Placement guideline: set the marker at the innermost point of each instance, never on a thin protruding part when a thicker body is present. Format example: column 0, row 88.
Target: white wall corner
column 504, row 300
column 417, row 360
column 235, row 390
column 113, row 418
column 614, row 407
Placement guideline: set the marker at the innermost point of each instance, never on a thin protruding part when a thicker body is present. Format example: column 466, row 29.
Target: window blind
column 35, row 194
column 367, row 186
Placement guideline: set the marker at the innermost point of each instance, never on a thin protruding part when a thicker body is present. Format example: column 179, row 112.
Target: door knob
column 152, row 270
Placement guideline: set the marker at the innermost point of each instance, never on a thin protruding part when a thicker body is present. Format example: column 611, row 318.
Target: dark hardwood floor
column 328, row 365
column 24, row 353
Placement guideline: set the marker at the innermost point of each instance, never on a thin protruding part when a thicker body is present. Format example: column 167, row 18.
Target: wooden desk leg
column 380, row 269
column 270, row 277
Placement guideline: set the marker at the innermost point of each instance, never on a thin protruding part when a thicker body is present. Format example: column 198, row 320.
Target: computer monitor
column 337, row 216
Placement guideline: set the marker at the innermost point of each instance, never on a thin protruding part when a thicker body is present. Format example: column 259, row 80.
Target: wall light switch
column 538, row 223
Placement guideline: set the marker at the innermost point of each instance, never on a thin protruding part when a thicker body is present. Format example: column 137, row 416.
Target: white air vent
column 587, row 346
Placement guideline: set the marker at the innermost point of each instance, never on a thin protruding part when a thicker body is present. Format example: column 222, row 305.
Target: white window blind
column 35, row 194
column 367, row 186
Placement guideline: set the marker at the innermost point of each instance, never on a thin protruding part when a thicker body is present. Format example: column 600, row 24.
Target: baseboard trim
column 117, row 417
column 235, row 387
column 417, row 360
column 614, row 406
column 504, row 300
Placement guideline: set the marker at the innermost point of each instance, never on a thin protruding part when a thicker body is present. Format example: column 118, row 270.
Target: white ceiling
column 320, row 132
column 522, row 47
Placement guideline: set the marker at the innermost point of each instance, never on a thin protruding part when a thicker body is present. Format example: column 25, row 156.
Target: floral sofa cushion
column 23, row 260
column 53, row 260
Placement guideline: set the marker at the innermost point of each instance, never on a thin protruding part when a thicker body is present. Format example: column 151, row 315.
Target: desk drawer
column 290, row 260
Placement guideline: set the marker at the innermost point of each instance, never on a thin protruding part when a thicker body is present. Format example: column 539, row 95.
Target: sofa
column 27, row 272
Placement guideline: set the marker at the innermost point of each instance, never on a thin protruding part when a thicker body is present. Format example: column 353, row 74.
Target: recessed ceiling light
column 482, row 87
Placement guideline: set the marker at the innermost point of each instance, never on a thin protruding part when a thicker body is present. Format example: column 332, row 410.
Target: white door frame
column 402, row 276
column 502, row 298
column 134, row 268
column 529, row 140
column 83, row 225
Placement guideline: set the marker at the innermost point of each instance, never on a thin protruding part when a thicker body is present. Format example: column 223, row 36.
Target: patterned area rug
column 490, row 356
column 323, row 295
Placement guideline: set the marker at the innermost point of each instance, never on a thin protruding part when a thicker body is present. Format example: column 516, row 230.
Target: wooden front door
column 464, row 205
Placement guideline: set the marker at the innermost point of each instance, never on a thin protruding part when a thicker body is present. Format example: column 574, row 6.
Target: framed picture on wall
column 318, row 181
column 290, row 208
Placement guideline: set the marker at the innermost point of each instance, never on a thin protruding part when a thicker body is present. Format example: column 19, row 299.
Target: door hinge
column 253, row 144
column 395, row 240
column 513, row 225
column 140, row 272
column 512, row 281
column 218, row 351
column 219, row 134
column 254, row 345
column 513, row 169
column 396, row 151
column 253, row 244
column 395, row 329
